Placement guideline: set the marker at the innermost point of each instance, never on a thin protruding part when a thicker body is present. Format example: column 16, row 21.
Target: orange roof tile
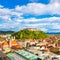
column 58, row 47
column 14, row 42
column 5, row 43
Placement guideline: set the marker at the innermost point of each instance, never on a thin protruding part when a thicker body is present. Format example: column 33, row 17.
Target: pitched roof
column 14, row 42
column 5, row 43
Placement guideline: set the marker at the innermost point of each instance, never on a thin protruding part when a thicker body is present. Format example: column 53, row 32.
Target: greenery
column 1, row 38
column 56, row 50
column 28, row 34
column 58, row 41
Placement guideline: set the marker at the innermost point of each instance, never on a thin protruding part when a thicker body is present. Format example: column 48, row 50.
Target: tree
column 27, row 34
column 58, row 41
column 55, row 50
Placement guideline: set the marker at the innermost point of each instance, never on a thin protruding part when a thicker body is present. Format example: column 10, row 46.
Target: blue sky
column 19, row 14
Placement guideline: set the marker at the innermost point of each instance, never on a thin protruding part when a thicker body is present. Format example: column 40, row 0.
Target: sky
column 19, row 14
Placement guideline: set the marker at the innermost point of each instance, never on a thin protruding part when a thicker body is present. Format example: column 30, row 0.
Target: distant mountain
column 53, row 32
column 6, row 32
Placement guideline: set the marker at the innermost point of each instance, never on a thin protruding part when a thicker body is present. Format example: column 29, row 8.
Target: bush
column 55, row 50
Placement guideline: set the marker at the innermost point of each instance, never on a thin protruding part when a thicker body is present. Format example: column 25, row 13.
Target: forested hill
column 29, row 34
column 6, row 32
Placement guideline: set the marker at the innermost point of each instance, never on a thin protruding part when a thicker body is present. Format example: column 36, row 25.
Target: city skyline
column 40, row 14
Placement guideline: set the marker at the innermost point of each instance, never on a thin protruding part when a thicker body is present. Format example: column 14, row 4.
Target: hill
column 29, row 34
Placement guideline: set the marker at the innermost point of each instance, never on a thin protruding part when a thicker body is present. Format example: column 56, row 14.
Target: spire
column 14, row 37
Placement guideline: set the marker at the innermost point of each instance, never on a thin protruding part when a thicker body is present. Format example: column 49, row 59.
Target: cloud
column 32, row 8
column 1, row 6
column 54, row 1
column 44, row 23
column 14, row 19
column 39, row 9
